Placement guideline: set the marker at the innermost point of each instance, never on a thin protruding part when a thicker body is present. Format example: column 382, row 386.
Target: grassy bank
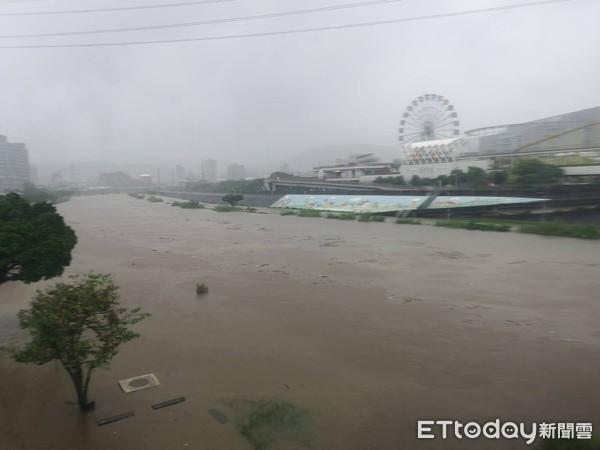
column 472, row 224
column 557, row 228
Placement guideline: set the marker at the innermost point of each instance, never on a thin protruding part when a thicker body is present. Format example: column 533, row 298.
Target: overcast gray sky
column 260, row 99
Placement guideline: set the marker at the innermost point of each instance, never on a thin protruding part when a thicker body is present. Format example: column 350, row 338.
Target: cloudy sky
column 257, row 99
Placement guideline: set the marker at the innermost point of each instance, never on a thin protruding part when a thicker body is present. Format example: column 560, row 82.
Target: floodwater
column 370, row 326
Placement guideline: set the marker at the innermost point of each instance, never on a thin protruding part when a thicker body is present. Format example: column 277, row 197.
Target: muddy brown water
column 370, row 326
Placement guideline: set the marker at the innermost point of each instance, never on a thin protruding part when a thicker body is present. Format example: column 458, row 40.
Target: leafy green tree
column 233, row 199
column 397, row 180
column 282, row 175
column 35, row 194
column 415, row 180
column 81, row 325
column 476, row 177
column 498, row 177
column 35, row 242
column 529, row 172
column 458, row 177
column 443, row 180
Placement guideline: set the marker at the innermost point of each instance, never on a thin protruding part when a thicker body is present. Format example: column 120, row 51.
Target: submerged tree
column 35, row 242
column 81, row 325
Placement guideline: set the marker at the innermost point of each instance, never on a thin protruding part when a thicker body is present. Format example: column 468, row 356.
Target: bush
column 558, row 228
column 403, row 220
column 288, row 213
column 227, row 208
column 192, row 204
column 309, row 213
column 472, row 225
column 233, row 199
column 342, row 216
column 201, row 288
column 154, row 199
column 370, row 218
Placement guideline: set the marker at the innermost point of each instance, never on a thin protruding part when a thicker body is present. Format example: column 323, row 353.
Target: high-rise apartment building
column 209, row 170
column 236, row 172
column 14, row 165
column 179, row 174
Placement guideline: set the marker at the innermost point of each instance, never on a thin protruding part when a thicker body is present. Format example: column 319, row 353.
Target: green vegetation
column 81, row 325
column 370, row 218
column 342, row 216
column 472, row 224
column 263, row 422
column 35, row 242
column 227, row 208
column 569, row 444
column 309, row 213
column 530, row 172
column 396, row 181
column 525, row 172
column 36, row 194
column 408, row 221
column 558, row 228
column 192, row 204
column 201, row 289
column 233, row 199
column 154, row 199
column 288, row 212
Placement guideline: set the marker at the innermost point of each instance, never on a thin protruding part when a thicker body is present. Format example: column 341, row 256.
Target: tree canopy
column 81, row 325
column 529, row 172
column 233, row 199
column 35, row 242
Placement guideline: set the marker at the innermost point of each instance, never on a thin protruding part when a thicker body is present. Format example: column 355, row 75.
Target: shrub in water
column 201, row 288
column 404, row 220
column 309, row 213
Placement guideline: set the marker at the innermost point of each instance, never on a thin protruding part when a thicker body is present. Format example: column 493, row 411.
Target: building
column 209, row 170
column 571, row 141
column 236, row 172
column 14, row 165
column 356, row 168
column 179, row 174
column 144, row 178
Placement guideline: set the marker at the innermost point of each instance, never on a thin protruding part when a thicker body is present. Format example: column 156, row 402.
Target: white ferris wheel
column 428, row 117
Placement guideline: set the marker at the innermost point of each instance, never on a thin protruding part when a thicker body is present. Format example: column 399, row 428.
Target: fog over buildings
column 259, row 101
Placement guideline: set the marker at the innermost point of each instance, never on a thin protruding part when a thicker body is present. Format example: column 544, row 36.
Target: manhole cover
column 139, row 382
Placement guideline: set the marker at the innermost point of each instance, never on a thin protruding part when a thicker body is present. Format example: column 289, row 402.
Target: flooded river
column 369, row 326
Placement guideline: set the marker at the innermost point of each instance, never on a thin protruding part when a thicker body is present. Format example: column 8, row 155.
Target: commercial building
column 14, row 165
column 209, row 170
column 236, row 172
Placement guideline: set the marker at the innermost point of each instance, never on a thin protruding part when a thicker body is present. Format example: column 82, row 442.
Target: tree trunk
column 81, row 388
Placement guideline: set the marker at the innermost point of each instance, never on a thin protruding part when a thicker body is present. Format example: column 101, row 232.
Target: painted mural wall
column 387, row 203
